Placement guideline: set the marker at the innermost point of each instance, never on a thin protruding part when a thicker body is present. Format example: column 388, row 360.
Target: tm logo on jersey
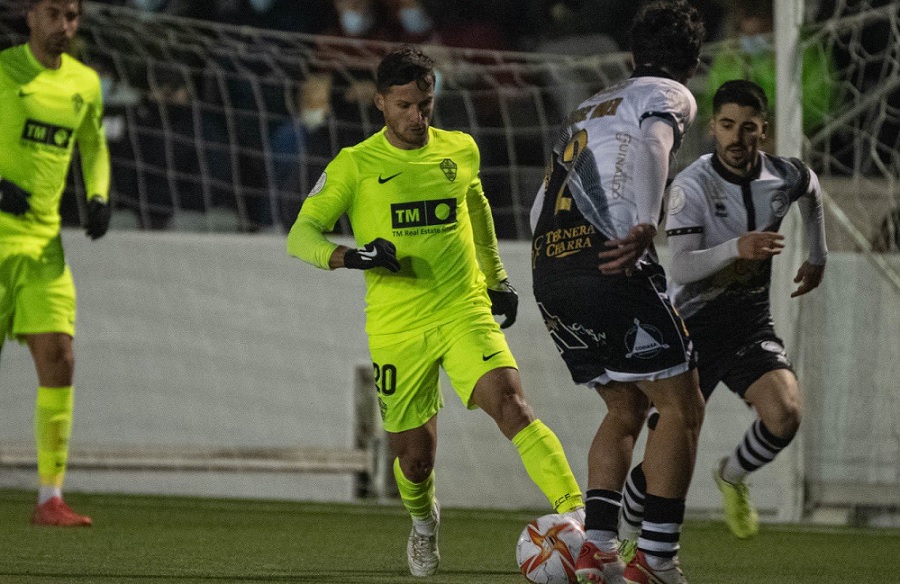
column 46, row 134
column 432, row 213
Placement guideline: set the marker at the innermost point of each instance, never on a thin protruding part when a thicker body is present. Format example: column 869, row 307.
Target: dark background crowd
column 199, row 135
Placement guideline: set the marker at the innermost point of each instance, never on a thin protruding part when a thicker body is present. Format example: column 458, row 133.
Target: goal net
column 211, row 129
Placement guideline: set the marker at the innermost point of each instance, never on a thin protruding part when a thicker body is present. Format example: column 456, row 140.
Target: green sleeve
column 307, row 242
column 484, row 235
column 94, row 151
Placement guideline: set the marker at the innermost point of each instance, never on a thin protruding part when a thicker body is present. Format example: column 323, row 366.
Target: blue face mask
column 106, row 85
column 262, row 5
column 356, row 23
column 415, row 20
column 755, row 45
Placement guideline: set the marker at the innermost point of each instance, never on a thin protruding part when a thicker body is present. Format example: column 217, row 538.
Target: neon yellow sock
column 545, row 460
column 52, row 428
column 417, row 497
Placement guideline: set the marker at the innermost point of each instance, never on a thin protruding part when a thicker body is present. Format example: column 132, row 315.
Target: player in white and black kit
column 724, row 213
column 602, row 292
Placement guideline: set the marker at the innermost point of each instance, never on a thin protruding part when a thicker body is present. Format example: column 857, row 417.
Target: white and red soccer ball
column 548, row 548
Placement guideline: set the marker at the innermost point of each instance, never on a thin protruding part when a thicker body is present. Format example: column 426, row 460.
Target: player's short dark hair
column 667, row 34
column 403, row 66
column 32, row 3
column 744, row 93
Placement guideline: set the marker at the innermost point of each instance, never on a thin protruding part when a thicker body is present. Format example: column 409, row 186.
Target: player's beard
column 738, row 157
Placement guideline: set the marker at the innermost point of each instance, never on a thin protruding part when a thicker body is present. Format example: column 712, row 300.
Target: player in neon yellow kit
column 414, row 198
column 49, row 102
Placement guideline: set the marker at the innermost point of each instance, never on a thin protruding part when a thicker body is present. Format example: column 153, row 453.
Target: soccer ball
column 547, row 549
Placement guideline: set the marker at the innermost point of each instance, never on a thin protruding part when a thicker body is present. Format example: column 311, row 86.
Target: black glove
column 13, row 198
column 98, row 215
column 505, row 301
column 380, row 253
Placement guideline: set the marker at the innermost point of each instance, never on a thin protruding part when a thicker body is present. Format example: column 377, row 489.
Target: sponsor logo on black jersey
column 423, row 213
column 47, row 134
column 644, row 341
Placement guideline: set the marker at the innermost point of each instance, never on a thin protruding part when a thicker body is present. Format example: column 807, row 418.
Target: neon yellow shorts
column 406, row 366
column 37, row 294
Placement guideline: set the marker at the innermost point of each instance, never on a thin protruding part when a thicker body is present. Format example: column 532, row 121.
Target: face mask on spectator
column 356, row 23
column 415, row 20
column 149, row 5
column 313, row 118
column 106, row 86
column 757, row 44
column 261, row 5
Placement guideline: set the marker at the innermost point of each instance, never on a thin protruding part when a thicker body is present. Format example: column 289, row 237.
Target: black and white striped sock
column 758, row 448
column 633, row 503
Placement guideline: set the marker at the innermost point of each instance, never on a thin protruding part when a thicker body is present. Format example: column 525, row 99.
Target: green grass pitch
column 175, row 540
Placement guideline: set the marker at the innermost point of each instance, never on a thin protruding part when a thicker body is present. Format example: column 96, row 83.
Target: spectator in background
column 306, row 131
column 409, row 22
column 751, row 56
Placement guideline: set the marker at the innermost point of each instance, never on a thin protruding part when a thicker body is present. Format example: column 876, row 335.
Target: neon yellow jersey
column 44, row 113
column 420, row 200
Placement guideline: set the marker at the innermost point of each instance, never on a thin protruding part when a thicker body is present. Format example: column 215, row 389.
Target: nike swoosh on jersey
column 489, row 357
column 384, row 180
column 25, row 94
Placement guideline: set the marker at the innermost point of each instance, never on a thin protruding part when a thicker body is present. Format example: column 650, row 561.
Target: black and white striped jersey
column 709, row 208
column 589, row 194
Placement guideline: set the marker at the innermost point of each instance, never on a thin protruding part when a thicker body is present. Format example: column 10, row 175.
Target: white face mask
column 313, row 118
column 415, row 20
column 356, row 23
column 261, row 5
column 149, row 5
column 757, row 44
column 106, row 85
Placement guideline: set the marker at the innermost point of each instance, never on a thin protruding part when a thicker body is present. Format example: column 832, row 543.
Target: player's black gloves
column 380, row 253
column 13, row 198
column 505, row 301
column 98, row 215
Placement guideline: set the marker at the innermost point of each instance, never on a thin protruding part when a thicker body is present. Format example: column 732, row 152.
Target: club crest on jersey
column 320, row 184
column 449, row 167
column 677, row 199
column 779, row 203
column 644, row 341
column 46, row 134
column 77, row 102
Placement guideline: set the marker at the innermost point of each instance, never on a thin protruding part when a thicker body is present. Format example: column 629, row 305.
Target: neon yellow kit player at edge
column 49, row 101
column 418, row 211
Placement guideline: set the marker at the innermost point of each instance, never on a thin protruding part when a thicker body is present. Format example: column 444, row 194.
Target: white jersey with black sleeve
column 596, row 187
column 709, row 209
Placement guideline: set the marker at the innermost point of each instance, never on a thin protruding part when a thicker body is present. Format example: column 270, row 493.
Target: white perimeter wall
column 225, row 340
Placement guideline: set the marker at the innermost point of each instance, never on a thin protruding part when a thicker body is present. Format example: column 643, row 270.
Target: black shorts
column 738, row 363
column 616, row 328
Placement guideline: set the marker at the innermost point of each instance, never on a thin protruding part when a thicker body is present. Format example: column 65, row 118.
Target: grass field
column 169, row 540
